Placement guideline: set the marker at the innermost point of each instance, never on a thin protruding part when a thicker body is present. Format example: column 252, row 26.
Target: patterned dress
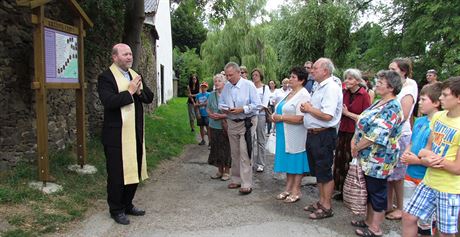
column 381, row 125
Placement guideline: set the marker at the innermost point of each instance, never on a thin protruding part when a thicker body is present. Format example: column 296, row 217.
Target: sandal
column 225, row 177
column 292, row 198
column 367, row 233
column 311, row 207
column 360, row 224
column 216, row 176
column 233, row 185
column 321, row 213
column 245, row 191
column 282, row 195
column 392, row 217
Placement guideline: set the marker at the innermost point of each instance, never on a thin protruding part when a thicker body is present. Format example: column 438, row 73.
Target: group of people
column 321, row 123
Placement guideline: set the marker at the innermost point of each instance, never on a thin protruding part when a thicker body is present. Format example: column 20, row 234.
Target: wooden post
column 80, row 94
column 40, row 96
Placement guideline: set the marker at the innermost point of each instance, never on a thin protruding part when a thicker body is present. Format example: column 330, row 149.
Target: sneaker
column 193, row 130
column 202, row 143
column 260, row 169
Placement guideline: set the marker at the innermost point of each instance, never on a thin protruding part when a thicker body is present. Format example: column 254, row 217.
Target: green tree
column 241, row 41
column 311, row 31
column 428, row 34
column 185, row 64
column 188, row 31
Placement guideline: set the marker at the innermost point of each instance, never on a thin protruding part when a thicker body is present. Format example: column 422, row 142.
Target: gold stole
column 128, row 133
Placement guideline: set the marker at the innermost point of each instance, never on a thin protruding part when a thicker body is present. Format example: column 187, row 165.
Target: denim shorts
column 426, row 201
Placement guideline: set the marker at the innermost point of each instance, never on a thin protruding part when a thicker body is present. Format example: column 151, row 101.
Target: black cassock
column 119, row 196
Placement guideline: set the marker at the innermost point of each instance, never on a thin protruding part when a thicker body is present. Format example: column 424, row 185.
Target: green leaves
column 188, row 31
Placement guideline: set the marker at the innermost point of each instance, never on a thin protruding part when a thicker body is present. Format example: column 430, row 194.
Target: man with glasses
column 310, row 80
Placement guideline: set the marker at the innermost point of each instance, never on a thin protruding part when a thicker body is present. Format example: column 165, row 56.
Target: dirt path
column 182, row 200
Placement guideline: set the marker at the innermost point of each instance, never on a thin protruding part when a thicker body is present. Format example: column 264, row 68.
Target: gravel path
column 182, row 200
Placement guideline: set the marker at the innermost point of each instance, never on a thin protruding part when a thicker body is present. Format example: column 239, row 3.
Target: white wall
column 164, row 50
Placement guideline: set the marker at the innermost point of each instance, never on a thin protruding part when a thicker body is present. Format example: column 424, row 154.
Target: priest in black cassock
column 122, row 92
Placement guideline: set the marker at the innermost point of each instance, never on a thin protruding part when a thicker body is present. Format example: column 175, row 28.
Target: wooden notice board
column 59, row 64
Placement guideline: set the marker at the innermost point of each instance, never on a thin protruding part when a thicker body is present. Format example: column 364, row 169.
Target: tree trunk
column 134, row 20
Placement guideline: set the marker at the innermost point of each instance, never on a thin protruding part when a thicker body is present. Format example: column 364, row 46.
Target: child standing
column 440, row 187
column 429, row 104
column 202, row 101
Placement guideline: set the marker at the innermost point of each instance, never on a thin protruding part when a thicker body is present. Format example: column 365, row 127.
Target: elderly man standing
column 240, row 101
column 322, row 116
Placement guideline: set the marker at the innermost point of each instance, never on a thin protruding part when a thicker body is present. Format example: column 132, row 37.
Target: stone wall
column 17, row 99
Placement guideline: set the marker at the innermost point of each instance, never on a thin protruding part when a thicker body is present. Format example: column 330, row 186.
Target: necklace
column 293, row 92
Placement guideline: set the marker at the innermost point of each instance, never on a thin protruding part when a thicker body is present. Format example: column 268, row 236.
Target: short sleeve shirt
column 202, row 98
column 446, row 141
column 381, row 125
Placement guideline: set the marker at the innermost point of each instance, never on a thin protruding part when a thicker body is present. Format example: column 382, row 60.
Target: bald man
column 122, row 92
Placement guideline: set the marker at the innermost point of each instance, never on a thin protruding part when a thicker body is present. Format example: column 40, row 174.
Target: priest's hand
column 134, row 85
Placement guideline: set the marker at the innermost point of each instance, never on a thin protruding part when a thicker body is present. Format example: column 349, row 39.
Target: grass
column 32, row 213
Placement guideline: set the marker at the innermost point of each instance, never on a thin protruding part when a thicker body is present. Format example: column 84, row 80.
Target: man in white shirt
column 240, row 101
column 322, row 116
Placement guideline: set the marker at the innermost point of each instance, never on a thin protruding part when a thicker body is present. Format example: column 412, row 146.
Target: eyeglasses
column 244, row 72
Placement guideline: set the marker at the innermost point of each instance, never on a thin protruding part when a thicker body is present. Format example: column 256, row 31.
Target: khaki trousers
column 241, row 164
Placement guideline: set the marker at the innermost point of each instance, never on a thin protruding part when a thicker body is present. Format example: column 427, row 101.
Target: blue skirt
column 290, row 163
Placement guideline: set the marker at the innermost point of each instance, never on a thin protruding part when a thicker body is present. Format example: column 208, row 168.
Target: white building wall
column 164, row 51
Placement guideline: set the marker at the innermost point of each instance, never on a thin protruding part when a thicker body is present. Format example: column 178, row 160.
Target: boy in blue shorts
column 440, row 187
column 201, row 102
column 429, row 104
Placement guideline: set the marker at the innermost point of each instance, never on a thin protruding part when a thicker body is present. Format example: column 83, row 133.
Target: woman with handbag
column 219, row 156
column 375, row 144
column 355, row 101
column 290, row 155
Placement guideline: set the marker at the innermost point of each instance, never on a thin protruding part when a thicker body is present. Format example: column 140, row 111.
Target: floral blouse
column 382, row 125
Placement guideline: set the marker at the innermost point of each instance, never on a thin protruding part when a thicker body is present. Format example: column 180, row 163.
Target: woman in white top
column 258, row 159
column 407, row 97
column 290, row 155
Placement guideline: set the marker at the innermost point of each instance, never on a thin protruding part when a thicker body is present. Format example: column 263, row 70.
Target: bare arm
column 292, row 119
column 452, row 166
column 406, row 104
column 362, row 144
column 317, row 113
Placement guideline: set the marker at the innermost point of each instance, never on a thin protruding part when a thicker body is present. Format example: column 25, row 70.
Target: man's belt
column 240, row 120
column 317, row 130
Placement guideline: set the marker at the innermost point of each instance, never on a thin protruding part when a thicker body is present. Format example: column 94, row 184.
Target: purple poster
column 61, row 57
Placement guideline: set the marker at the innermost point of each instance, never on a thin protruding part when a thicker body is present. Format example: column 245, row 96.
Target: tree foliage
column 188, row 31
column 185, row 64
column 421, row 30
column 240, row 41
column 312, row 31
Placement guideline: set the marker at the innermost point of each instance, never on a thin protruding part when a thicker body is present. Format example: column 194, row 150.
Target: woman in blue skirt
column 290, row 155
